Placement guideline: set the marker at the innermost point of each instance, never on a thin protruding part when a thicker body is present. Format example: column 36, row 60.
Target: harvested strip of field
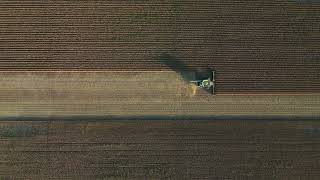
column 46, row 94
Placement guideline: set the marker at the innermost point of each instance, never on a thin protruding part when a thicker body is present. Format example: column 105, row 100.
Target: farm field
column 254, row 47
column 135, row 94
column 149, row 125
column 95, row 89
column 159, row 149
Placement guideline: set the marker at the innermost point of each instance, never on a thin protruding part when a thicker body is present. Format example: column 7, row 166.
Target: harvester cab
column 206, row 83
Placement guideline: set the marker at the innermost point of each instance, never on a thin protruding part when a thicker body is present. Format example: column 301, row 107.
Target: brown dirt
column 161, row 150
column 255, row 47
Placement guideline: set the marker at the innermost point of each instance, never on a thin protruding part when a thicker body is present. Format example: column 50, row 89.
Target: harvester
column 199, row 78
column 206, row 83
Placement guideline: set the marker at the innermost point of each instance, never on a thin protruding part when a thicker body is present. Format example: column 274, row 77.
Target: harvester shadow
column 186, row 72
column 178, row 66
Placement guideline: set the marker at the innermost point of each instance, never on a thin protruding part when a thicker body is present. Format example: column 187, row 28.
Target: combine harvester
column 206, row 83
column 199, row 78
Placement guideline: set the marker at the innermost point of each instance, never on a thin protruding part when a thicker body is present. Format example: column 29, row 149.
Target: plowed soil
column 160, row 150
column 94, row 125
column 255, row 47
